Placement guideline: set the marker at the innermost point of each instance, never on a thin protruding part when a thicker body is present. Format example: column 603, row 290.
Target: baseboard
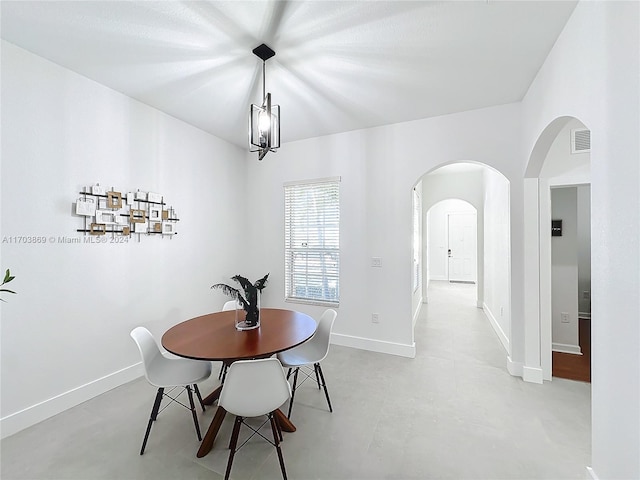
column 528, row 374
column 565, row 348
column 439, row 279
column 41, row 411
column 532, row 374
column 514, row 368
column 417, row 312
column 591, row 475
column 399, row 349
column 496, row 327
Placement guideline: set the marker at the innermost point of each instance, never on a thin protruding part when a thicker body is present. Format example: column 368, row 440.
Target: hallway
column 490, row 424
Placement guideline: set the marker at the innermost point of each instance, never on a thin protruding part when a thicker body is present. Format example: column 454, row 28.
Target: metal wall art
column 124, row 214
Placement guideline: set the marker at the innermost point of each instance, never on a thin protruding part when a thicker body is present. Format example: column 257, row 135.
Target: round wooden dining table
column 213, row 337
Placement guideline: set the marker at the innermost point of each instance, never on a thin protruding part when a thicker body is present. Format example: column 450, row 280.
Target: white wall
column 497, row 257
column 416, row 294
column 379, row 167
column 584, row 248
column 561, row 167
column 592, row 74
column 65, row 336
column 564, row 271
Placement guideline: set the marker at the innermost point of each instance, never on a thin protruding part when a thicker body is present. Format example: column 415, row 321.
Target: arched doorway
column 487, row 191
column 557, row 270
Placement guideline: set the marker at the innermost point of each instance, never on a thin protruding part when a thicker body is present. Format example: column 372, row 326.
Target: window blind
column 312, row 242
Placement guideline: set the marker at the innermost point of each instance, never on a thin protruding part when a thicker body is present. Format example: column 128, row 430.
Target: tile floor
column 452, row 412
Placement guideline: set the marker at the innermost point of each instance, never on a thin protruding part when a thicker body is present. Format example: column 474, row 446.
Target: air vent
column 580, row 140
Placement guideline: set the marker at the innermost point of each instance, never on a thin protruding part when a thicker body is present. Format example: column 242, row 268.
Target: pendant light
column 264, row 120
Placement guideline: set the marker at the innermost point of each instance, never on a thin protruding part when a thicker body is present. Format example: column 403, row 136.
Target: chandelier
column 264, row 120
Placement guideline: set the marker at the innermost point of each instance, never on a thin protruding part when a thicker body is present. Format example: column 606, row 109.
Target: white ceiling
column 339, row 66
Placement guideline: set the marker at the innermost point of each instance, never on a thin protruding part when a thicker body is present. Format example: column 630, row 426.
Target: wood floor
column 575, row 367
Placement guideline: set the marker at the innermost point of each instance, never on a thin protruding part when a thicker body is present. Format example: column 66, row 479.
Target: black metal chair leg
column 277, row 444
column 193, row 411
column 324, row 384
column 232, row 446
column 279, row 429
column 315, row 370
column 293, row 391
column 197, row 390
column 152, row 418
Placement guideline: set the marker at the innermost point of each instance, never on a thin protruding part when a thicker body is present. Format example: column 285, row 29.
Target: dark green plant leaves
column 250, row 299
column 7, row 278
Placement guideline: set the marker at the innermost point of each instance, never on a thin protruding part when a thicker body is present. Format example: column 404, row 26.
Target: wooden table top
column 214, row 336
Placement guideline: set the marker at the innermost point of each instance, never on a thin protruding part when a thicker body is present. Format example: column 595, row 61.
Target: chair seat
column 305, row 354
column 177, row 372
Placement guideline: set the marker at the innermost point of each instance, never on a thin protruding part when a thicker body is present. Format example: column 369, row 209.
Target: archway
column 487, row 190
column 556, row 161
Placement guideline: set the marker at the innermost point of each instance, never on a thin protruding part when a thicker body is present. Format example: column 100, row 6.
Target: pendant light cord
column 263, row 81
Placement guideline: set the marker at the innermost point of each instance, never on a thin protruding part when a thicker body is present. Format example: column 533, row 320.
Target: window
column 312, row 241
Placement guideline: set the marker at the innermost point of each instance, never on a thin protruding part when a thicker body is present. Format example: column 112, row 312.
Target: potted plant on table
column 250, row 301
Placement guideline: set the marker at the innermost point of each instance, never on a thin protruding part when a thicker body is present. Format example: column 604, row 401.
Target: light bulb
column 264, row 123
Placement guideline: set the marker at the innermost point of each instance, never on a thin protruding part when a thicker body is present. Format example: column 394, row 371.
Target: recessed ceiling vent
column 580, row 140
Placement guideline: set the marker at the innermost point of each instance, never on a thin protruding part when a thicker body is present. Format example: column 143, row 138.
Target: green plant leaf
column 7, row 277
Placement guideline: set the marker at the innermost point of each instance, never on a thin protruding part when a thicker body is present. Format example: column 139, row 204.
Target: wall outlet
column 586, row 295
column 376, row 262
column 564, row 317
column 375, row 318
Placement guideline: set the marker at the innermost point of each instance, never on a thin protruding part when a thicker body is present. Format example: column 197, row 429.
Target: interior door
column 462, row 247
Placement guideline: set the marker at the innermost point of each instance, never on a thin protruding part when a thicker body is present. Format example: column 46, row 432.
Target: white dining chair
column 254, row 388
column 164, row 372
column 307, row 357
column 231, row 305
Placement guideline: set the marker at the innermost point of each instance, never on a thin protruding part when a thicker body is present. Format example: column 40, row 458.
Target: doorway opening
column 452, row 242
column 464, row 234
column 557, row 197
